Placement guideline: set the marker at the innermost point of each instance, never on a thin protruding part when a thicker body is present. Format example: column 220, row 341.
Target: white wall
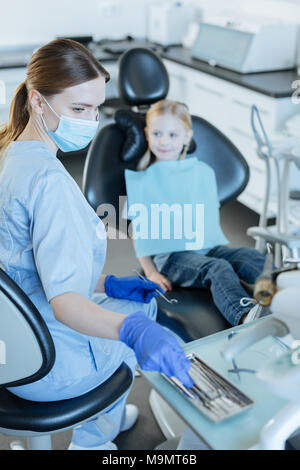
column 38, row 21
column 286, row 10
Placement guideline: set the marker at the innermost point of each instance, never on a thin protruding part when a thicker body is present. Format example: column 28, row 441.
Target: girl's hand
column 161, row 280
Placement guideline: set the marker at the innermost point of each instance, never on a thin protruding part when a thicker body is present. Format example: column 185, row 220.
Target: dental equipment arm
column 265, row 286
column 284, row 321
column 276, row 432
column 267, row 327
column 291, row 241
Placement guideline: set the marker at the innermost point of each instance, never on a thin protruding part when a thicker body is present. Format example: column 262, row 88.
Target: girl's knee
column 220, row 265
column 250, row 253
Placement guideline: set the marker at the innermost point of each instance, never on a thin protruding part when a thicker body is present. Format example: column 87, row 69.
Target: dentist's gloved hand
column 131, row 288
column 155, row 348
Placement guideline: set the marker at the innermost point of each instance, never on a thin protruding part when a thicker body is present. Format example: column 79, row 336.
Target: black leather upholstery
column 215, row 149
column 141, row 81
column 34, row 319
column 135, row 144
column 103, row 180
column 19, row 414
column 132, row 124
column 103, row 176
column 143, row 78
column 194, row 317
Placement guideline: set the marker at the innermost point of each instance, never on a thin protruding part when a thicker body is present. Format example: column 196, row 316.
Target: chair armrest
column 17, row 413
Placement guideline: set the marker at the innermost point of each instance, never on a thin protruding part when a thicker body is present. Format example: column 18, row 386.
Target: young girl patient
column 214, row 266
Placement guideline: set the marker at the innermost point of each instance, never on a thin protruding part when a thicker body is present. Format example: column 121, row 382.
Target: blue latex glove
column 155, row 348
column 131, row 288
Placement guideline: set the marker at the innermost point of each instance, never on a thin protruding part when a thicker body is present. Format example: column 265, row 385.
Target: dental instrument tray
column 212, row 394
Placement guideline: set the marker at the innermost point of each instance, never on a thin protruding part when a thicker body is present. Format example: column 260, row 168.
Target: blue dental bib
column 173, row 206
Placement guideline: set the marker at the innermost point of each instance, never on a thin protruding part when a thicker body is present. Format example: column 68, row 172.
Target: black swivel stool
column 27, row 354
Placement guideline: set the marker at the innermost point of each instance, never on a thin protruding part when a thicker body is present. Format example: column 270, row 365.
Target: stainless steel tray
column 212, row 394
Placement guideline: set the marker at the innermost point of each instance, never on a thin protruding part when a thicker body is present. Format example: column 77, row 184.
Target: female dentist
column 52, row 244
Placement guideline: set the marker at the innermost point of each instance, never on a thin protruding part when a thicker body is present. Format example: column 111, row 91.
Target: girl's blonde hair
column 162, row 107
column 60, row 64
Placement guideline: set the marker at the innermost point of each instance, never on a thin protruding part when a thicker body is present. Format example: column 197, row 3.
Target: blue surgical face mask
column 72, row 134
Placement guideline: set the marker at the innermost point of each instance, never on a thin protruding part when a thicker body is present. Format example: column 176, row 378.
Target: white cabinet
column 228, row 107
column 178, row 83
column 206, row 98
column 10, row 78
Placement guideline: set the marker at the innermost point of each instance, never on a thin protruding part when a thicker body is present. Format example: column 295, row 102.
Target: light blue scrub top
column 52, row 242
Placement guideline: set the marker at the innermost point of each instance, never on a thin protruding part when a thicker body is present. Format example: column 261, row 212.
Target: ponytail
column 184, row 151
column 18, row 118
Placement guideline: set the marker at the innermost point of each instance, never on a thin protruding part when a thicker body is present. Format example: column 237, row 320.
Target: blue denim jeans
column 220, row 270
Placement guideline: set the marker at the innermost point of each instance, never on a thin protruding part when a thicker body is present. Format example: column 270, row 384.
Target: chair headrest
column 135, row 143
column 143, row 79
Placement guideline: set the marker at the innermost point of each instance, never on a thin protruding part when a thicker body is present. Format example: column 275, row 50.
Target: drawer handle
column 243, row 133
column 209, row 90
column 177, row 77
column 249, row 106
column 252, row 195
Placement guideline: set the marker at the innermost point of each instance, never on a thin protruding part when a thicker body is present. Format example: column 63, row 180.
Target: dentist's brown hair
column 60, row 64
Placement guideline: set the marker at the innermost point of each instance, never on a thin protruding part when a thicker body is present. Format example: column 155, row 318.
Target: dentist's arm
column 154, row 347
column 85, row 316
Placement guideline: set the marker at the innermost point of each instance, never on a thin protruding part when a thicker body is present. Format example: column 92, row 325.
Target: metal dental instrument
column 292, row 261
column 212, row 394
column 236, row 370
column 170, row 301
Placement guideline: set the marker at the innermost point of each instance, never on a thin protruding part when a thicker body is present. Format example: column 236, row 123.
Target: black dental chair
column 143, row 80
column 27, row 354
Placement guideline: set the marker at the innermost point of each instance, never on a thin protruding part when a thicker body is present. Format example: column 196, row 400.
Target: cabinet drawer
column 178, row 83
column 247, row 146
column 13, row 75
column 257, row 183
column 178, row 89
column 11, row 79
column 209, row 104
column 4, row 112
column 240, row 114
column 248, row 200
